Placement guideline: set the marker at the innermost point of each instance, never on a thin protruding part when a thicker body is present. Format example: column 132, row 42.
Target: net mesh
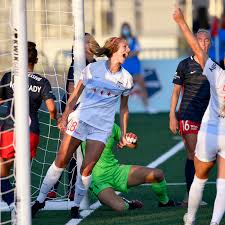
column 50, row 26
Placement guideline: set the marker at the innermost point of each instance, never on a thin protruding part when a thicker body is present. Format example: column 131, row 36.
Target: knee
column 60, row 161
column 158, row 175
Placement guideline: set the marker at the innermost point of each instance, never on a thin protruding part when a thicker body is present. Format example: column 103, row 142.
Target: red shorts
column 7, row 144
column 188, row 127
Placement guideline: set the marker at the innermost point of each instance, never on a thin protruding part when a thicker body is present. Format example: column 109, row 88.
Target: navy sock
column 189, row 173
column 5, row 187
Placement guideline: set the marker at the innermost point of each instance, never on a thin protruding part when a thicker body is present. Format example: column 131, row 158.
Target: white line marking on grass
column 180, row 184
column 178, row 147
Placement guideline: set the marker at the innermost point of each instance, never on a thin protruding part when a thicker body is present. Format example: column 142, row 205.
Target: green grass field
column 154, row 140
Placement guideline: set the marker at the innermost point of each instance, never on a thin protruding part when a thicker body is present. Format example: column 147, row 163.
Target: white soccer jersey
column 214, row 120
column 102, row 91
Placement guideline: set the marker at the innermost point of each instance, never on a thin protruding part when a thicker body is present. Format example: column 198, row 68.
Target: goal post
column 22, row 146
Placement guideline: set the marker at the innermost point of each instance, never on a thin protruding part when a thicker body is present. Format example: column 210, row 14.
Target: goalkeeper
column 109, row 176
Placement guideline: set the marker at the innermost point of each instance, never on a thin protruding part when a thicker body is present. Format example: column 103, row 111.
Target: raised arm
column 189, row 37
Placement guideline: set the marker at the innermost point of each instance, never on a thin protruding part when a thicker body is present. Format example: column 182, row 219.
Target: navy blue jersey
column 39, row 90
column 195, row 90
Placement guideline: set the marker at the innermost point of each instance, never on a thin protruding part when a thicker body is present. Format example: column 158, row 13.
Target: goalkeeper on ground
column 109, row 176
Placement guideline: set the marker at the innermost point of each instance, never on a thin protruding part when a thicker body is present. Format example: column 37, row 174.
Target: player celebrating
column 109, row 176
column 211, row 137
column 195, row 99
column 103, row 83
column 39, row 90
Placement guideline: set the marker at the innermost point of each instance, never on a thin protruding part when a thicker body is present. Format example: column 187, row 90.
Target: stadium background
column 50, row 25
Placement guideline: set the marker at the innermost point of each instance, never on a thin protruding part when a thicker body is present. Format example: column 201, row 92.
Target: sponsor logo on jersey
column 32, row 88
column 31, row 75
column 213, row 67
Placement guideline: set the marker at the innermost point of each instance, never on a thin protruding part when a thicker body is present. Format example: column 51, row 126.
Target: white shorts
column 209, row 145
column 83, row 131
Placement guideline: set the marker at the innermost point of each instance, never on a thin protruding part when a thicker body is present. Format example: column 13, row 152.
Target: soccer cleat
column 170, row 203
column 134, row 204
column 74, row 212
column 36, row 207
column 51, row 195
column 186, row 222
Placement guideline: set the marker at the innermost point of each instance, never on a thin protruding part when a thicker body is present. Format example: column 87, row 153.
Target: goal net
column 50, row 24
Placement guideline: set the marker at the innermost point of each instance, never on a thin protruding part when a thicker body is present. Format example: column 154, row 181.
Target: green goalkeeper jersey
column 107, row 159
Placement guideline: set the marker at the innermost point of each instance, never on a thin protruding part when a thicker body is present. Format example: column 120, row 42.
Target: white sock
column 219, row 204
column 81, row 187
column 195, row 197
column 50, row 179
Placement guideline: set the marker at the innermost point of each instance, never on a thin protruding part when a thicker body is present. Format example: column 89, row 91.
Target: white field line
column 178, row 147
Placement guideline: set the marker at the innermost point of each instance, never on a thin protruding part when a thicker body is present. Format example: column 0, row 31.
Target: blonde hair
column 111, row 46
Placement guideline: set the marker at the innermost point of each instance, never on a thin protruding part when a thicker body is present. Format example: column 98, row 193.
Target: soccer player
column 109, row 176
column 39, row 90
column 210, row 145
column 195, row 98
column 103, row 84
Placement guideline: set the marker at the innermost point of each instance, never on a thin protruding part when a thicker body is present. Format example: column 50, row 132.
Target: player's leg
column 140, row 175
column 5, row 185
column 202, row 170
column 190, row 141
column 219, row 204
column 66, row 150
column 140, row 80
column 93, row 152
column 109, row 198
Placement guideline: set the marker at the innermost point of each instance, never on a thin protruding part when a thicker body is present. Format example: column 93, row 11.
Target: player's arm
column 173, row 105
column 123, row 119
column 190, row 38
column 73, row 99
column 50, row 104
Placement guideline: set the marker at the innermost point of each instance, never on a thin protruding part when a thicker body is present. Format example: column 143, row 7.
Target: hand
column 173, row 124
column 178, row 15
column 123, row 142
column 61, row 124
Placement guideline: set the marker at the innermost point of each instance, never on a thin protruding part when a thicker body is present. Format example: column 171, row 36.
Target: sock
column 81, row 187
column 50, row 179
column 6, row 186
column 195, row 197
column 55, row 187
column 126, row 206
column 219, row 205
column 160, row 189
column 189, row 173
column 72, row 175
